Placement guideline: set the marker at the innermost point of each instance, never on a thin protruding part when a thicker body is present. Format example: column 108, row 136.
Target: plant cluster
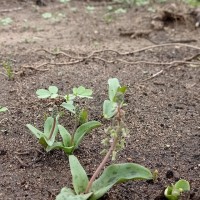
column 116, row 135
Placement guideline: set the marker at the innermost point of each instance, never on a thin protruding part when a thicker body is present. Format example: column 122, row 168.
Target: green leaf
column 69, row 106
column 3, row 109
column 59, row 145
column 47, row 15
column 53, row 89
column 109, row 109
column 83, row 116
column 82, row 92
column 79, row 176
column 120, row 11
column 64, row 1
column 66, row 137
column 6, row 21
column 113, row 88
column 34, row 130
column 68, row 194
column 83, row 129
column 48, row 126
column 118, row 173
column 183, row 184
column 42, row 93
column 53, row 96
column 122, row 89
column 173, row 192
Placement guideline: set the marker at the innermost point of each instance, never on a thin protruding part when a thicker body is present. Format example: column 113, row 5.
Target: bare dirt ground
column 163, row 112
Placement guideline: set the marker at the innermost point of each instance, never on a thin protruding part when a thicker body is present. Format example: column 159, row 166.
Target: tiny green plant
column 8, row 70
column 173, row 192
column 95, row 188
column 3, row 109
column 82, row 126
column 6, row 21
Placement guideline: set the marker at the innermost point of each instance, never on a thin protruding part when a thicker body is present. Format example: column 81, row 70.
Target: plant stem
column 53, row 128
column 102, row 164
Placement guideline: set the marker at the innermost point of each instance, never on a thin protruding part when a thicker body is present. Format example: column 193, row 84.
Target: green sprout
column 95, row 188
column 3, row 109
column 173, row 192
column 82, row 126
column 8, row 70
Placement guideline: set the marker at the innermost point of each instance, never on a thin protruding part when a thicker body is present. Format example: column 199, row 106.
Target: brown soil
column 162, row 112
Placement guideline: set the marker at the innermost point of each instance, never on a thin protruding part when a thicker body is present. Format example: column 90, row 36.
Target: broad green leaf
column 66, row 137
column 69, row 106
column 53, row 89
column 68, row 194
column 183, row 184
column 3, row 109
column 79, row 176
column 42, row 93
column 83, row 129
column 118, row 173
column 83, row 116
column 82, row 92
column 34, row 130
column 47, row 15
column 113, row 84
column 109, row 109
column 49, row 126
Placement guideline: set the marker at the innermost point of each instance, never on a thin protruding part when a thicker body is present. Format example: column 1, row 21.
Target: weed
column 6, row 21
column 8, row 69
column 115, row 138
column 69, row 142
column 3, row 109
column 173, row 192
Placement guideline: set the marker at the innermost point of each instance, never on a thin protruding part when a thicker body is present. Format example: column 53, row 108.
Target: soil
column 163, row 112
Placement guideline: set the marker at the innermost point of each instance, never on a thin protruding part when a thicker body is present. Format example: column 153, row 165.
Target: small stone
column 129, row 159
column 169, row 174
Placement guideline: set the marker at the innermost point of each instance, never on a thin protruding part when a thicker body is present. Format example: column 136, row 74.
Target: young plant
column 8, row 70
column 69, row 142
column 47, row 137
column 173, row 192
column 115, row 173
column 3, row 109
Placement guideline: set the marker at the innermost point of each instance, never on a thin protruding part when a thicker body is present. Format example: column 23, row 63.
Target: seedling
column 173, row 192
column 95, row 188
column 3, row 109
column 47, row 137
column 8, row 70
column 69, row 142
column 6, row 21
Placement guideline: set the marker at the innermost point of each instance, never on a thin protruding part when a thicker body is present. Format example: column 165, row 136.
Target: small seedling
column 3, row 109
column 90, row 9
column 173, row 192
column 52, row 92
column 6, row 21
column 8, row 70
column 95, row 188
column 47, row 137
column 47, row 15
